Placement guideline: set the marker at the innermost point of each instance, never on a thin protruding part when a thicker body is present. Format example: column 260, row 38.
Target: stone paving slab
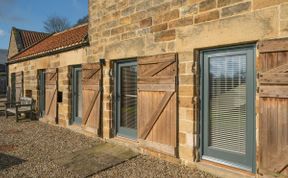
column 96, row 159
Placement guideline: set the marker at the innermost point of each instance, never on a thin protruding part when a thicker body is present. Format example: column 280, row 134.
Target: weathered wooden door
column 18, row 85
column 91, row 95
column 51, row 89
column 157, row 102
column 273, row 79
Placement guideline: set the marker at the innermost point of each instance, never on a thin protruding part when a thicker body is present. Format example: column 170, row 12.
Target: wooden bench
column 25, row 105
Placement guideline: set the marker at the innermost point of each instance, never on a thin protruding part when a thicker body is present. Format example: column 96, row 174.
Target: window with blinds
column 129, row 97
column 227, row 103
column 79, row 93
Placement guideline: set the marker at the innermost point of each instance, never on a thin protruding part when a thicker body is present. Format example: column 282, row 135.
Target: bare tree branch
column 56, row 24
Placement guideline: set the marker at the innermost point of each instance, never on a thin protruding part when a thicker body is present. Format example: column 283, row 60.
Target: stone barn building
column 198, row 82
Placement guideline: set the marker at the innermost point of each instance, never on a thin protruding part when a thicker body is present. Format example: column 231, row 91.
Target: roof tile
column 68, row 38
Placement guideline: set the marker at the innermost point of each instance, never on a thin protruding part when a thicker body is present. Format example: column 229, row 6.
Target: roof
column 56, row 42
column 3, row 56
column 29, row 38
column 26, row 38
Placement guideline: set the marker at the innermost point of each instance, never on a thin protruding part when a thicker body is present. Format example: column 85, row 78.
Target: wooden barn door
column 18, row 85
column 91, row 95
column 51, row 89
column 157, row 106
column 273, row 79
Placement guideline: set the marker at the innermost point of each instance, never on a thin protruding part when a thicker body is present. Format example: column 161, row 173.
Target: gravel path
column 28, row 148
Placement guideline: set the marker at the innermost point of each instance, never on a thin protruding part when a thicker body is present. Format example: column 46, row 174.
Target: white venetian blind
column 227, row 103
column 129, row 97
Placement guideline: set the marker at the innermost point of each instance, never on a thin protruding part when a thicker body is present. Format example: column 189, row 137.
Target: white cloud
column 2, row 33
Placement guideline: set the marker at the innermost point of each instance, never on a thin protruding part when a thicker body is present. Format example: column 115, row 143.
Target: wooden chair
column 25, row 105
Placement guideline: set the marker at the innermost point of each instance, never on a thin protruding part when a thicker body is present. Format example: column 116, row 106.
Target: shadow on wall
column 7, row 161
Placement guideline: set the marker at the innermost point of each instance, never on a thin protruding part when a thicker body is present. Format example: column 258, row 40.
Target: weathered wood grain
column 91, row 95
column 273, row 122
column 157, row 102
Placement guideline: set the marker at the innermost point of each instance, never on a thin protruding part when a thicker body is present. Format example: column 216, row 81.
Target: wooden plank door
column 273, row 79
column 51, row 89
column 156, row 104
column 91, row 95
column 18, row 86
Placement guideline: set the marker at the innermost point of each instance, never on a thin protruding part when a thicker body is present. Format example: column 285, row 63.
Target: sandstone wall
column 61, row 61
column 120, row 29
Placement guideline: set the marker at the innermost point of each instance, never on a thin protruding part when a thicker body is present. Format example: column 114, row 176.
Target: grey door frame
column 121, row 131
column 251, row 86
column 42, row 92
column 75, row 90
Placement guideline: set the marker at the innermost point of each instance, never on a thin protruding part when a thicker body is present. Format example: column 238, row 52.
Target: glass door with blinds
column 126, row 99
column 228, row 95
column 41, row 83
column 77, row 95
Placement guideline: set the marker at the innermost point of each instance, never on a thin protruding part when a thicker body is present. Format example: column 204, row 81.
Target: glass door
column 42, row 92
column 228, row 95
column 13, row 88
column 126, row 98
column 77, row 95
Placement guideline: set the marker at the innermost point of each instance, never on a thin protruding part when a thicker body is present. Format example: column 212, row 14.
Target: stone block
column 143, row 5
column 186, row 90
column 208, row 16
column 118, row 30
column 186, row 152
column 125, row 49
column 174, row 14
column 190, row 115
column 171, row 46
column 284, row 28
column 157, row 28
column 146, row 22
column 236, row 9
column 186, row 126
column 186, row 79
column 182, row 68
column 158, row 9
column 182, row 138
column 125, row 20
column 237, row 29
column 167, row 35
column 138, row 16
column 128, row 11
column 154, row 48
column 258, row 4
column 190, row 9
column 128, row 35
column 185, row 56
column 132, row 27
column 186, row 102
column 222, row 3
column 284, row 11
column 182, row 22
column 207, row 5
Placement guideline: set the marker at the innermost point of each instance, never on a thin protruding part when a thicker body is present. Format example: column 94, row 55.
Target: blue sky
column 30, row 14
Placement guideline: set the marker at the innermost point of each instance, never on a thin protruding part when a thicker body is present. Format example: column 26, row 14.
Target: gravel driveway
column 28, row 148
